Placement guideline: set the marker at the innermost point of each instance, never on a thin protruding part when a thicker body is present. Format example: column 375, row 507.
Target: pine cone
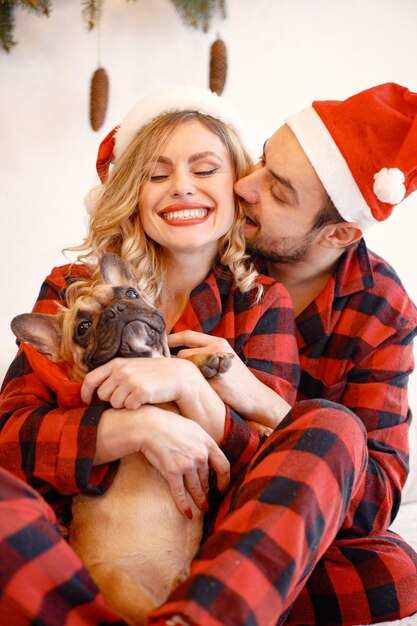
column 218, row 66
column 99, row 96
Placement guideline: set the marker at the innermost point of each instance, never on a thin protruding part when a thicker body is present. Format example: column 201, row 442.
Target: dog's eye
column 131, row 293
column 83, row 327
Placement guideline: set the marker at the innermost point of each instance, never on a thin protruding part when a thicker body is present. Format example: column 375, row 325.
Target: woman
column 167, row 207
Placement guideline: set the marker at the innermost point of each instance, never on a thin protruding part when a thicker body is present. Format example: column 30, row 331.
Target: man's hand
column 238, row 387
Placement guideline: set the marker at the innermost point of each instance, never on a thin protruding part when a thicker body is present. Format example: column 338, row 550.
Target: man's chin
column 254, row 244
column 254, row 249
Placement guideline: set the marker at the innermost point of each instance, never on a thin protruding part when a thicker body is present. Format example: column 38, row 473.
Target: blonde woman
column 167, row 206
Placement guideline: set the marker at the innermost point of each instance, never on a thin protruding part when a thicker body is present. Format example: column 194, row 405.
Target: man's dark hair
column 328, row 215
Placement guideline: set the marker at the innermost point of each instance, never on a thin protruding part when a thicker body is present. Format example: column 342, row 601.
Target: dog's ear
column 41, row 331
column 115, row 271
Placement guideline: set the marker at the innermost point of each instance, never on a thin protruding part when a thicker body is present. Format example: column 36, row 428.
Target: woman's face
column 187, row 201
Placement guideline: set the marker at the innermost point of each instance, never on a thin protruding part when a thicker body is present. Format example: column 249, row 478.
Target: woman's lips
column 185, row 214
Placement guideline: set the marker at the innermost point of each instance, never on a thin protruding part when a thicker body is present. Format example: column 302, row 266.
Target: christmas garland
column 7, row 8
column 194, row 13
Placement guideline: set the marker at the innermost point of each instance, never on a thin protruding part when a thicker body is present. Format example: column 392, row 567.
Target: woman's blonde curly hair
column 116, row 227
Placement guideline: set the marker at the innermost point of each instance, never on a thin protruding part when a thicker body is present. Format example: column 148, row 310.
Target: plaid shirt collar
column 353, row 273
column 207, row 303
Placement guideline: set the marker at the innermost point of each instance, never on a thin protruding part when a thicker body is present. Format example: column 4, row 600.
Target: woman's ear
column 340, row 235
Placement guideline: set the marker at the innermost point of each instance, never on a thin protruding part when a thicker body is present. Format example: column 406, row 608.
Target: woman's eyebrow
column 202, row 155
column 198, row 156
column 161, row 159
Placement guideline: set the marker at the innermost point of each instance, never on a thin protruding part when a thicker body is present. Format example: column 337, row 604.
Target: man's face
column 283, row 195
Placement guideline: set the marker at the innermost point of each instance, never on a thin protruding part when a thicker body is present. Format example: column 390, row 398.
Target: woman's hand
column 238, row 387
column 176, row 446
column 133, row 382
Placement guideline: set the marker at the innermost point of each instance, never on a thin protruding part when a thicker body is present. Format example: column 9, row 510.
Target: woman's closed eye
column 157, row 177
column 201, row 173
column 206, row 172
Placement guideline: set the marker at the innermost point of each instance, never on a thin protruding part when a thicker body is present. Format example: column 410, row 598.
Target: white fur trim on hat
column 182, row 98
column 389, row 185
column 331, row 167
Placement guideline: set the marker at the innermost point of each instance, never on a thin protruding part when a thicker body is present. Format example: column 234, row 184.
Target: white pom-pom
column 389, row 185
column 92, row 199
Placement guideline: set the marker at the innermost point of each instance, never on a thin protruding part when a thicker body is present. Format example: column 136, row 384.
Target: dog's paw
column 214, row 364
column 262, row 430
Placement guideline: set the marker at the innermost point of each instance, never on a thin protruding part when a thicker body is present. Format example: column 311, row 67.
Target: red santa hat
column 364, row 150
column 147, row 109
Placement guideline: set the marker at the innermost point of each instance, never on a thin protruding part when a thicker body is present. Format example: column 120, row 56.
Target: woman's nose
column 182, row 183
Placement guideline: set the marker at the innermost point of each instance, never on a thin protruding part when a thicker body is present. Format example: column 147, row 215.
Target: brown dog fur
column 133, row 540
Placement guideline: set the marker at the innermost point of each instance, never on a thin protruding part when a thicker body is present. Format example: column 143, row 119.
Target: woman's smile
column 186, row 214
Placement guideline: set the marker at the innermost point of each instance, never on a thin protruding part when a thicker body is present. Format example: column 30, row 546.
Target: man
column 302, row 535
column 325, row 556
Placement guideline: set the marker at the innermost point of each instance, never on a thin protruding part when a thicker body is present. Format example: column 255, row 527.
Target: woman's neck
column 182, row 274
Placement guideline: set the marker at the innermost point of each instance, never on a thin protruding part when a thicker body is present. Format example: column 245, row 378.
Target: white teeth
column 186, row 214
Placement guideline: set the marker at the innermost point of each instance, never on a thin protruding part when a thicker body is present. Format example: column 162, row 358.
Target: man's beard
column 285, row 250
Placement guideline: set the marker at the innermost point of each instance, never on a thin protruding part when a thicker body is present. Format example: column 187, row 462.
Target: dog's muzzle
column 127, row 329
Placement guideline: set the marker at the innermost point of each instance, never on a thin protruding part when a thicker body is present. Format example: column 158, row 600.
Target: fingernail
column 189, row 513
column 205, row 506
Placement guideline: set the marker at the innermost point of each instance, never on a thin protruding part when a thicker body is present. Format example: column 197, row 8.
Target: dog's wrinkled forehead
column 97, row 299
column 101, row 296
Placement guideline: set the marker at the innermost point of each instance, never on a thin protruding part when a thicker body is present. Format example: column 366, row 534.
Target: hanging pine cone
column 218, row 66
column 99, row 96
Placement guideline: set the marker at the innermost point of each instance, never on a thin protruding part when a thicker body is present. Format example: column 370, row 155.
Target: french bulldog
column 133, row 540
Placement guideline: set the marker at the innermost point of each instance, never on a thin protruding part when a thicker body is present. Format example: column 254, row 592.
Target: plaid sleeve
column 266, row 343
column 42, row 580
column 376, row 391
column 40, row 442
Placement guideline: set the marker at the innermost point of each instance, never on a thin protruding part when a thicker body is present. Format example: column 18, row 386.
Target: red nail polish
column 205, row 506
column 189, row 513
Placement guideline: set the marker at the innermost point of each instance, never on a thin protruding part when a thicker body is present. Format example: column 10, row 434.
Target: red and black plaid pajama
column 273, row 556
column 42, row 580
column 48, row 441
column 302, row 537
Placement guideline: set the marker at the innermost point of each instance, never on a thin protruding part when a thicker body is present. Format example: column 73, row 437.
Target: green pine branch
column 91, row 12
column 195, row 13
column 199, row 13
column 7, row 25
column 42, row 7
column 7, row 21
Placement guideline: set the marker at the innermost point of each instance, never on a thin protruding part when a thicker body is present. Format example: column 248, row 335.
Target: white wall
column 282, row 55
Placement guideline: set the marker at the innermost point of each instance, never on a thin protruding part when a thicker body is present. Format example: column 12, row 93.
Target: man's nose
column 247, row 187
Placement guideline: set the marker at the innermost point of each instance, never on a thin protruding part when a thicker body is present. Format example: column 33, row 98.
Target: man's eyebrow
column 285, row 182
